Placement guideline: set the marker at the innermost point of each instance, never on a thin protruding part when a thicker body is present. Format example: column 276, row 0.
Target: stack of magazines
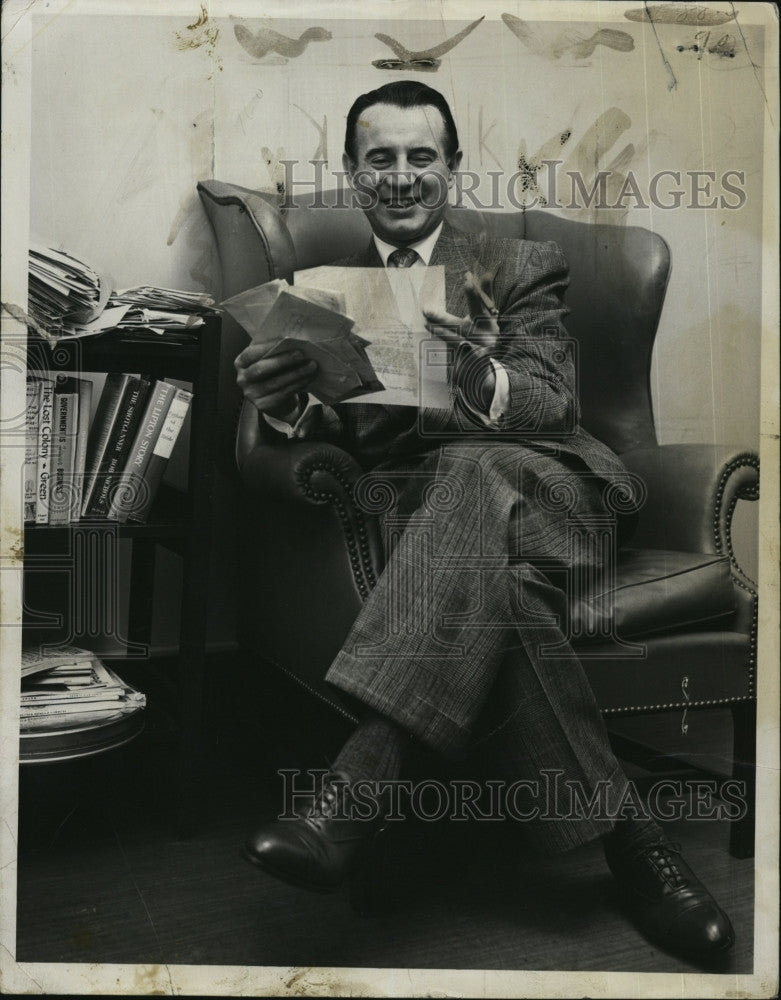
column 71, row 688
column 68, row 298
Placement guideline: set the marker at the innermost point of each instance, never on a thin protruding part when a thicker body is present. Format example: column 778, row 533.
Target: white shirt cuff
column 501, row 401
column 288, row 429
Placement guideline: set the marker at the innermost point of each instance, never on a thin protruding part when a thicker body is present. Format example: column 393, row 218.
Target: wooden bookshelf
column 180, row 521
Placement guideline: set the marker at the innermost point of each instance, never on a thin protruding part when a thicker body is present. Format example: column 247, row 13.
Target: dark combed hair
column 402, row 94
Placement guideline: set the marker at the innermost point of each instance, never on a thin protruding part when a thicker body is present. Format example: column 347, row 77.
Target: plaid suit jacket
column 533, row 348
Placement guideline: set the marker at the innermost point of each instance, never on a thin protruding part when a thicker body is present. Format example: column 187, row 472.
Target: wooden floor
column 103, row 876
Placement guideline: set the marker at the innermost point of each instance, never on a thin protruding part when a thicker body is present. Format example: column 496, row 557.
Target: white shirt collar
column 424, row 248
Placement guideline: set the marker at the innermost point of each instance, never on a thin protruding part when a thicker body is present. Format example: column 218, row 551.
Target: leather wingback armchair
column 312, row 554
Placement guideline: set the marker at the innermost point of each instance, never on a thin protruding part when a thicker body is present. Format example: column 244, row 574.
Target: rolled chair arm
column 693, row 490
column 312, row 473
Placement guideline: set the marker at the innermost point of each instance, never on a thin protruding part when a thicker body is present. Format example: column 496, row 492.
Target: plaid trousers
column 470, row 606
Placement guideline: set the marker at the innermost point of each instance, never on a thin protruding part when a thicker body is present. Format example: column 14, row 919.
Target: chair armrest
column 693, row 490
column 313, row 473
column 308, row 472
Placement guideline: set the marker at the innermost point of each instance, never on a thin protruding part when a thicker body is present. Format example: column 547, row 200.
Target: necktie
column 402, row 258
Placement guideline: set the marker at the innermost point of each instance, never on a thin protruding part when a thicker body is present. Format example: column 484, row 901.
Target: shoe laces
column 329, row 799
column 661, row 857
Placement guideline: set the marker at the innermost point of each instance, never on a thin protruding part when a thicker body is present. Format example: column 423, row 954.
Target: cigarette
column 487, row 301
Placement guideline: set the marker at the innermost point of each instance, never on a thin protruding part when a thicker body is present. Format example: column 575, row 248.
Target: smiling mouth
column 400, row 203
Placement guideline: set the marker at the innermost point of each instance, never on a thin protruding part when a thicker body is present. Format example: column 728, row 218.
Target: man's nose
column 399, row 178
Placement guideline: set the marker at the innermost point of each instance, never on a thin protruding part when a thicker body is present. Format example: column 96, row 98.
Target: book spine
column 31, row 449
column 161, row 452
column 130, row 413
column 82, row 436
column 45, row 420
column 132, row 485
column 105, row 416
column 63, row 451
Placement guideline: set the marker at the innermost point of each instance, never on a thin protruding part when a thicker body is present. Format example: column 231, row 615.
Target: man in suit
column 471, row 654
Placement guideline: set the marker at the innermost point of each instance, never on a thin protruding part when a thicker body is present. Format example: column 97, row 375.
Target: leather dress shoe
column 317, row 848
column 669, row 902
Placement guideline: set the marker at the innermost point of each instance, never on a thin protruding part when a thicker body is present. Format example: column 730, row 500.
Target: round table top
column 49, row 745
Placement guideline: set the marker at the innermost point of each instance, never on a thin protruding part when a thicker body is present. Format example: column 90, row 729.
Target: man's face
column 401, row 170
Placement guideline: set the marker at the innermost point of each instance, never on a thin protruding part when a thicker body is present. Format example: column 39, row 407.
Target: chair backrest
column 618, row 277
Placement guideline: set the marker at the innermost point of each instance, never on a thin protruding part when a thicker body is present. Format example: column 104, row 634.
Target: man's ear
column 453, row 164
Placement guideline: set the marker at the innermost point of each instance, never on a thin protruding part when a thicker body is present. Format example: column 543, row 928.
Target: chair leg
column 744, row 755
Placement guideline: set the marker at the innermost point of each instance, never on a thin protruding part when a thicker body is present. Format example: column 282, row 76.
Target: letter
column 366, row 802
column 733, row 794
column 582, row 807
column 494, row 787
column 631, row 805
column 290, row 183
column 704, row 806
column 394, row 789
column 462, row 191
column 696, row 176
column 660, row 811
column 630, row 187
column 741, row 176
column 552, row 195
column 511, row 804
column 600, row 181
column 417, row 800
column 290, row 794
column 653, row 189
column 366, row 197
column 340, row 176
column 551, row 792
column 511, row 183
column 464, row 805
column 441, row 187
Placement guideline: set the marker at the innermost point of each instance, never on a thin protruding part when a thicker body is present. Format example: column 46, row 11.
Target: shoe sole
column 284, row 876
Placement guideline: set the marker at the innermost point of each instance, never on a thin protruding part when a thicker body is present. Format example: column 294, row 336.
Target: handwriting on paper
column 723, row 46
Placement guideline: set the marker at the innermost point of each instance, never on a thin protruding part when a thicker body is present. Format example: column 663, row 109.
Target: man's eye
column 422, row 159
column 380, row 163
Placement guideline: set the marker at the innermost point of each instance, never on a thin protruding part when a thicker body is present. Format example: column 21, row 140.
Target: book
column 132, row 486
column 122, row 434
column 161, row 452
column 31, row 449
column 61, row 498
column 82, row 437
column 45, row 422
column 105, row 415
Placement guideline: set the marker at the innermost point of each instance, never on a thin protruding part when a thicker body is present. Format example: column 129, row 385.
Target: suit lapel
column 368, row 257
column 454, row 251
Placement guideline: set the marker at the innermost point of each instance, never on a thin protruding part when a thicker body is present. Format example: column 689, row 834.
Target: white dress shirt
column 500, row 402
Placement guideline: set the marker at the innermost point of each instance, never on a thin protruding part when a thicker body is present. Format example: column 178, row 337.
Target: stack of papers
column 311, row 321
column 68, row 298
column 159, row 310
column 64, row 293
column 72, row 688
column 149, row 297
